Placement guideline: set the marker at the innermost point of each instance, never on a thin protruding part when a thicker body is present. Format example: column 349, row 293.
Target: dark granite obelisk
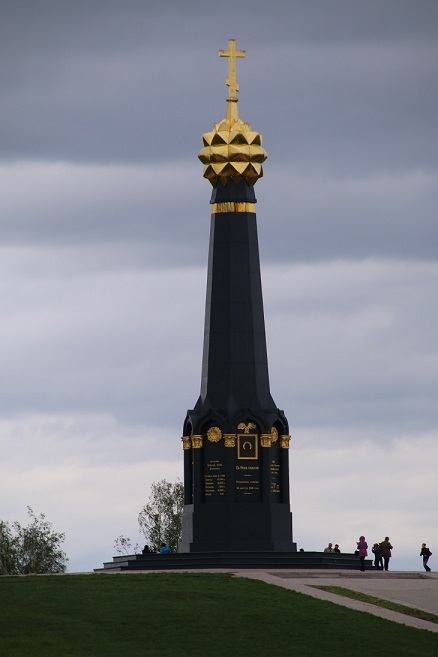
column 235, row 439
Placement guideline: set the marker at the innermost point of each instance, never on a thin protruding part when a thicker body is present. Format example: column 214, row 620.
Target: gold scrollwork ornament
column 186, row 441
column 246, row 427
column 230, row 439
column 284, row 442
column 196, row 442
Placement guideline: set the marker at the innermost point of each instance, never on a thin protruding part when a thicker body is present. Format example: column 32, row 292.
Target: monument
column 235, row 439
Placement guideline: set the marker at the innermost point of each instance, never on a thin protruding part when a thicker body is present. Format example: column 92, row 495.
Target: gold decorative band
column 284, row 442
column 232, row 206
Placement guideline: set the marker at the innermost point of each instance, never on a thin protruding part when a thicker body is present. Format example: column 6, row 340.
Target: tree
column 123, row 545
column 33, row 549
column 161, row 519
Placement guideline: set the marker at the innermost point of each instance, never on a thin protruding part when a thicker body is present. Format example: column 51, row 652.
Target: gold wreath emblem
column 214, row 434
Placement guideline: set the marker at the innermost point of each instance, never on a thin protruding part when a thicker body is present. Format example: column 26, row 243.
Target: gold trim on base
column 232, row 206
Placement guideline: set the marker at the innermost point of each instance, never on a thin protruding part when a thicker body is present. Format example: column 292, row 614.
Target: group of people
column 164, row 549
column 330, row 548
column 382, row 553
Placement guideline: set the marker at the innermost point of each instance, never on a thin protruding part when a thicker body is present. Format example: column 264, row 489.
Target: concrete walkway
column 412, row 589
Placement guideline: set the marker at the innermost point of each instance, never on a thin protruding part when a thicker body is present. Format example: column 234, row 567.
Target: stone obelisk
column 235, row 440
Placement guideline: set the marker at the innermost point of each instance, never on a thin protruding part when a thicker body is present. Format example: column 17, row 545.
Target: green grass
column 182, row 614
column 378, row 602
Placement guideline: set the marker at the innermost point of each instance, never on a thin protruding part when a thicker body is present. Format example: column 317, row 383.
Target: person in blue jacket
column 378, row 560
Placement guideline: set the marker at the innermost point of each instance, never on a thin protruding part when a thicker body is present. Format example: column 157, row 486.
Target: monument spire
column 235, row 439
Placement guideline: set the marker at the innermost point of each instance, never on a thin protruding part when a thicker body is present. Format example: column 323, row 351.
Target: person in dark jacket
column 386, row 548
column 378, row 561
column 425, row 553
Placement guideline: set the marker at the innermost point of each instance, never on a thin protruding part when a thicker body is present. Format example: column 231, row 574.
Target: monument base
column 237, row 527
column 234, row 561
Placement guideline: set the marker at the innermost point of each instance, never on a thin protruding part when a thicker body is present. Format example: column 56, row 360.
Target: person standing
column 378, row 563
column 425, row 553
column 329, row 548
column 362, row 547
column 386, row 548
column 336, row 549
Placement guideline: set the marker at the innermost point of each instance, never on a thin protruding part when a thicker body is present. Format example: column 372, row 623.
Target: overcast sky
column 104, row 225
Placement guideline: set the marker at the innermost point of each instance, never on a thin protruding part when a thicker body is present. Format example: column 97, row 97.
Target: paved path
column 419, row 590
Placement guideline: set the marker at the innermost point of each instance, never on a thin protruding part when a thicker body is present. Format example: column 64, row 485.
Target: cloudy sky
column 104, row 225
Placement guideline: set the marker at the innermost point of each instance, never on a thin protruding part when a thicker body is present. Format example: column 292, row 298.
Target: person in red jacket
column 362, row 547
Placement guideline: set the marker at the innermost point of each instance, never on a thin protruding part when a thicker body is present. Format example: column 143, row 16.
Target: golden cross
column 232, row 53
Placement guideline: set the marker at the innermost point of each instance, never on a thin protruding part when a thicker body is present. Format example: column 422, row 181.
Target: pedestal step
column 234, row 560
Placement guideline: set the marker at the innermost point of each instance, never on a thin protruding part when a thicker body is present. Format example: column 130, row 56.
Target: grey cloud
column 97, row 23
column 344, row 341
column 101, row 343
column 95, row 82
column 68, row 205
column 304, row 218
column 160, row 215
column 360, row 346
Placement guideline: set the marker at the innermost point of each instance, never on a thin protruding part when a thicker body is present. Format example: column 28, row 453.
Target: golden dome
column 232, row 150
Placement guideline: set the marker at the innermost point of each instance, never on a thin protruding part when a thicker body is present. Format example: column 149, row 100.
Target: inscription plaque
column 247, row 483
column 275, row 478
column 214, row 481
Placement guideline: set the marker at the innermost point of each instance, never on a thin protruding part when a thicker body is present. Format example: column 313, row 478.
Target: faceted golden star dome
column 232, row 150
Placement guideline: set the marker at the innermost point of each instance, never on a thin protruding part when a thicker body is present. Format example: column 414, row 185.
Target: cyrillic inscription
column 214, row 480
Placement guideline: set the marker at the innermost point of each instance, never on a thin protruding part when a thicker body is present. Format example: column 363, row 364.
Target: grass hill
column 187, row 614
